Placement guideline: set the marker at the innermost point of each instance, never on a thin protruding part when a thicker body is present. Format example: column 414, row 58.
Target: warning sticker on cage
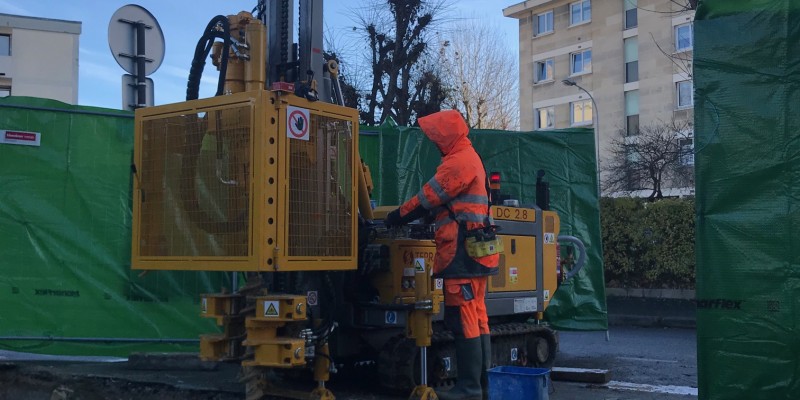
column 391, row 317
column 312, row 298
column 525, row 305
column 513, row 274
column 438, row 284
column 204, row 305
column 546, row 295
column 514, row 354
column 549, row 238
column 297, row 123
column 419, row 265
column 272, row 308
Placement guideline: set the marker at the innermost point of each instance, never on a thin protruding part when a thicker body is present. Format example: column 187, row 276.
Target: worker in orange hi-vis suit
column 458, row 197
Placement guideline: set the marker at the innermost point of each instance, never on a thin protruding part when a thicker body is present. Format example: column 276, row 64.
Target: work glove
column 393, row 219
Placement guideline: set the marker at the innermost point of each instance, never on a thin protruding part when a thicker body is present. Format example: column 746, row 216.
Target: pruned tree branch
column 676, row 7
column 681, row 61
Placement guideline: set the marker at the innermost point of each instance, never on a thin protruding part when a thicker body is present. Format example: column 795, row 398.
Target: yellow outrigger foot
column 423, row 392
column 322, row 393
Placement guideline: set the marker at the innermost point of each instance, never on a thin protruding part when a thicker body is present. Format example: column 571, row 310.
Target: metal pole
column 141, row 85
column 596, row 127
column 423, row 358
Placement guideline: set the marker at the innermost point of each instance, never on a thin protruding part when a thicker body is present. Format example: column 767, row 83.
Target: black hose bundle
column 201, row 53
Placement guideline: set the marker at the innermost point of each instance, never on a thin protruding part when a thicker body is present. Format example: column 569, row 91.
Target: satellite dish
column 122, row 38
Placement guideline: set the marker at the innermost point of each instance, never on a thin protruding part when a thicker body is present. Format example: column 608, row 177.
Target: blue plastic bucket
column 517, row 383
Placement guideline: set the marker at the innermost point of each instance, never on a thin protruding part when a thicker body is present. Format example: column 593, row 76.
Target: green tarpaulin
column 747, row 80
column 65, row 228
column 65, row 238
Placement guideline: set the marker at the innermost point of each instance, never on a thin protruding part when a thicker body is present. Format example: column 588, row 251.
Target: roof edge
column 40, row 24
column 516, row 10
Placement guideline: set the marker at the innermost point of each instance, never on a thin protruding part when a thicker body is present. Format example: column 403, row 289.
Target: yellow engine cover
column 517, row 269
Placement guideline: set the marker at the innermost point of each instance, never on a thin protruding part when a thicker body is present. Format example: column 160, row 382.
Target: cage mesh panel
column 320, row 190
column 195, row 178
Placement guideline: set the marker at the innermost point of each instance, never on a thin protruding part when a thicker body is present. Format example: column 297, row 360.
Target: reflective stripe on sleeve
column 424, row 200
column 443, row 196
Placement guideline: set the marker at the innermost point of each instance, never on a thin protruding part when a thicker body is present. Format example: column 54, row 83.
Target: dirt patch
column 115, row 381
column 46, row 383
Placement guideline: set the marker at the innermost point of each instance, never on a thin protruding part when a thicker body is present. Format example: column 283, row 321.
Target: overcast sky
column 182, row 22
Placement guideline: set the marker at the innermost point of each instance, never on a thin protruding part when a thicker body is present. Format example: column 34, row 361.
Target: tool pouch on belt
column 483, row 242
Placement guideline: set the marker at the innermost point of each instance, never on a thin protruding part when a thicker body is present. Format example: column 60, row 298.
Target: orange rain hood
column 447, row 129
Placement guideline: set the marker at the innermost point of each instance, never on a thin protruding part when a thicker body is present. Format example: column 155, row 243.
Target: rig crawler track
column 517, row 343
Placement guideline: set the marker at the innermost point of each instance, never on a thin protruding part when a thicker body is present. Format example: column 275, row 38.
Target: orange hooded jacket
column 460, row 184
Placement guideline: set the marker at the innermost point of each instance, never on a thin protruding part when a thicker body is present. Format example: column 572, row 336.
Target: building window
column 631, row 16
column 581, row 112
column 5, row 45
column 632, row 124
column 581, row 62
column 683, row 37
column 543, row 71
column 544, row 23
column 685, row 94
column 631, row 59
column 580, row 12
column 632, row 157
column 5, row 91
column 545, row 118
column 632, row 113
column 686, row 146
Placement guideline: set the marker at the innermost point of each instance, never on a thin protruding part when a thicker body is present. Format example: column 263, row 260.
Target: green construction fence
column 747, row 130
column 65, row 228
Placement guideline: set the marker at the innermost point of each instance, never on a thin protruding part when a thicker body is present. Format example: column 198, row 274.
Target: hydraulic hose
column 581, row 254
column 201, row 53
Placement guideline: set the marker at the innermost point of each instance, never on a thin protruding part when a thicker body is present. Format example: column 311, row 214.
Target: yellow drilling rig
column 264, row 180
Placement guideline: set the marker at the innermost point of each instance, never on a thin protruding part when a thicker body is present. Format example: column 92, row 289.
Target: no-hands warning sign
column 297, row 123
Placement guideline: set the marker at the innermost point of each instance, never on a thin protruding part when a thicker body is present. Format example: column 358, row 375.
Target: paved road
column 665, row 359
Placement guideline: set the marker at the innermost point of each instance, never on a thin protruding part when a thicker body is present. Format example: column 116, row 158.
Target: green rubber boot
column 486, row 349
column 469, row 361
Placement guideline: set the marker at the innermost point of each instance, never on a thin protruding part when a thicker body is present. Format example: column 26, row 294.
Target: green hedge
column 648, row 245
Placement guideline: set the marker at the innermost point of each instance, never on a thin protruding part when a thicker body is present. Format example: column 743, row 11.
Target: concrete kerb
column 672, row 308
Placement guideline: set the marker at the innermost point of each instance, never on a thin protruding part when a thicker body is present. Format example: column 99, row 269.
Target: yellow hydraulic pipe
column 364, row 190
column 255, row 70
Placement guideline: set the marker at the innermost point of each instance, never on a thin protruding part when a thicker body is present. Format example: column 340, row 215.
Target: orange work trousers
column 465, row 307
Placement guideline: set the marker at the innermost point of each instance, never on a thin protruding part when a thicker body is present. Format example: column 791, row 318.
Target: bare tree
column 675, row 7
column 657, row 156
column 681, row 60
column 351, row 76
column 396, row 35
column 481, row 73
